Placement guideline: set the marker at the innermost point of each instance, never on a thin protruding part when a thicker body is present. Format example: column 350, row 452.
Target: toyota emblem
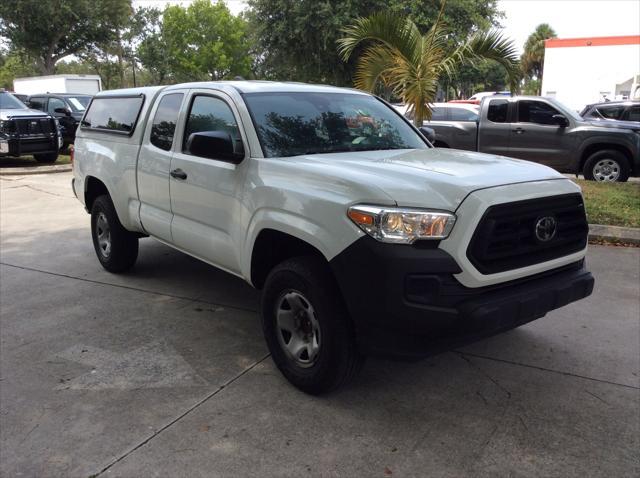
column 546, row 228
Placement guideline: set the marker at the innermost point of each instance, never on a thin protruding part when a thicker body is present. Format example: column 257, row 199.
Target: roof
column 259, row 86
column 592, row 41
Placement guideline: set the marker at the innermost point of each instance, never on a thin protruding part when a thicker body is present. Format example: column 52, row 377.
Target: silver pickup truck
column 545, row 131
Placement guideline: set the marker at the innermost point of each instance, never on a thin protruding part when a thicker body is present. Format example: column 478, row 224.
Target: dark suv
column 24, row 131
column 67, row 108
column 613, row 110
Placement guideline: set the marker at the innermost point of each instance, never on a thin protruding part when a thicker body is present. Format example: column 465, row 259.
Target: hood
column 437, row 178
column 15, row 113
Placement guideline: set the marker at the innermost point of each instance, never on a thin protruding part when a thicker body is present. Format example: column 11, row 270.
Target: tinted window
column 536, row 112
column 462, row 114
column 37, row 103
column 210, row 114
column 78, row 103
column 438, row 114
column 498, row 111
column 290, row 124
column 633, row 113
column 611, row 112
column 55, row 103
column 164, row 121
column 115, row 114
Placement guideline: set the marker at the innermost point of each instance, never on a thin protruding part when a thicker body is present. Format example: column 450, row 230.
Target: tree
column 152, row 50
column 205, row 42
column 397, row 55
column 532, row 59
column 49, row 30
column 295, row 39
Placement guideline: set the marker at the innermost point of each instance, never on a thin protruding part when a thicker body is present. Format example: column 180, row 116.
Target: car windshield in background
column 291, row 124
column 78, row 103
column 10, row 102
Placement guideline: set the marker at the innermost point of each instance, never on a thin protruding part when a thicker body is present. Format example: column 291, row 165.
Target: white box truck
column 85, row 84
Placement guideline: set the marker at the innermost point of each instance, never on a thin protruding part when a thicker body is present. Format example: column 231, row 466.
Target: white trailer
column 85, row 84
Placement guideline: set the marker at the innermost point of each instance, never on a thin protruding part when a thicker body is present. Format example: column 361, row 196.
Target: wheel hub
column 298, row 329
column 103, row 233
column 606, row 170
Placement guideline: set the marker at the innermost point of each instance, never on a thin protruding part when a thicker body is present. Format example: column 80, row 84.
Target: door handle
column 518, row 130
column 178, row 174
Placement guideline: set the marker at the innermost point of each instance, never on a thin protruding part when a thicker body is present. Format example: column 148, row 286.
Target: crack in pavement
column 181, row 416
column 137, row 289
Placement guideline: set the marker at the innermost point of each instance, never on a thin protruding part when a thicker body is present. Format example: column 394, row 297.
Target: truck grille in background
column 505, row 238
column 34, row 126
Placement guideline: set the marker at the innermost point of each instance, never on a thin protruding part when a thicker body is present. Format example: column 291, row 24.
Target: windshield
column 10, row 102
column 78, row 103
column 291, row 124
column 565, row 109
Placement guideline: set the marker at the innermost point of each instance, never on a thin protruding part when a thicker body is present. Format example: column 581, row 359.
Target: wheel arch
column 601, row 146
column 93, row 188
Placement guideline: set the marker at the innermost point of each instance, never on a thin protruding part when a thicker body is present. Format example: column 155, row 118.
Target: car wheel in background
column 607, row 166
column 46, row 157
column 116, row 248
column 307, row 327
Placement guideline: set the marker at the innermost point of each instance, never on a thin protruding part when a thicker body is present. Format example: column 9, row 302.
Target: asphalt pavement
column 163, row 372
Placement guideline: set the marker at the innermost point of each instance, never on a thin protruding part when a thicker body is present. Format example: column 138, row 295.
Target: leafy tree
column 15, row 65
column 205, row 41
column 152, row 50
column 397, row 55
column 49, row 30
column 295, row 39
column 532, row 59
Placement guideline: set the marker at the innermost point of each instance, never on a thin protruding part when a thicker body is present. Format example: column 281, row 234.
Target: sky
column 569, row 18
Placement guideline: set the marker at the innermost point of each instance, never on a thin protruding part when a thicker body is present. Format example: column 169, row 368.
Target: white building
column 579, row 71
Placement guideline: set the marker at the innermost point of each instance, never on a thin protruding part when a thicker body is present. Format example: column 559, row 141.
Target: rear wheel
column 307, row 327
column 46, row 157
column 607, row 166
column 116, row 248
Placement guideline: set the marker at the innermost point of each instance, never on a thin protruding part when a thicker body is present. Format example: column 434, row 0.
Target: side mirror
column 561, row 120
column 63, row 111
column 428, row 133
column 215, row 145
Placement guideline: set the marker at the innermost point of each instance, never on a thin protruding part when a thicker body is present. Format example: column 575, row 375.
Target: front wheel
column 607, row 166
column 307, row 327
column 116, row 248
column 46, row 158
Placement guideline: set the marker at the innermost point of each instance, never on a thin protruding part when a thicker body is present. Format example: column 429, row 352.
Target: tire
column 116, row 248
column 607, row 165
column 306, row 287
column 46, row 157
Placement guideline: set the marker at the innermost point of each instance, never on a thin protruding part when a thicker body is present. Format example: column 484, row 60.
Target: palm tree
column 532, row 59
column 397, row 56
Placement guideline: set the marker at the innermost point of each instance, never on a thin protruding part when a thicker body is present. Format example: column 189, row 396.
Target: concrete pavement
column 163, row 372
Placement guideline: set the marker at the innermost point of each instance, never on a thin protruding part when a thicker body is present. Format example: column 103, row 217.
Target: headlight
column 400, row 225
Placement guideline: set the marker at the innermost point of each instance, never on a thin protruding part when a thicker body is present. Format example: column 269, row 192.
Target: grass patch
column 611, row 204
column 29, row 161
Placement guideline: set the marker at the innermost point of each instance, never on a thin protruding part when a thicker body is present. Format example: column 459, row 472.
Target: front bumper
column 406, row 302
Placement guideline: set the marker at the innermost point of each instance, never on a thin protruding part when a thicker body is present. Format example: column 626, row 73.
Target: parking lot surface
column 163, row 372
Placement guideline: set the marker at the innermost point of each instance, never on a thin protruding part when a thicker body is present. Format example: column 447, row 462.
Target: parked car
column 477, row 98
column 456, row 123
column 20, row 96
column 25, row 131
column 613, row 110
column 68, row 108
column 543, row 130
column 364, row 239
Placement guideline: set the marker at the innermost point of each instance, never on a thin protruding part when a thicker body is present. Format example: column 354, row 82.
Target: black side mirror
column 428, row 133
column 561, row 120
column 215, row 145
column 63, row 111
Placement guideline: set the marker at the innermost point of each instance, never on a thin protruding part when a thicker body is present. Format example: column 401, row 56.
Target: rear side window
column 116, row 114
column 498, row 111
column 462, row 114
column 611, row 112
column 164, row 121
column 210, row 114
column 633, row 113
column 37, row 103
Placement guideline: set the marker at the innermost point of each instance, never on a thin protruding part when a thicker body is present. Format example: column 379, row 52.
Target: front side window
column 291, row 124
column 462, row 114
column 633, row 113
column 116, row 114
column 498, row 110
column 78, row 103
column 210, row 114
column 55, row 103
column 164, row 121
column 536, row 112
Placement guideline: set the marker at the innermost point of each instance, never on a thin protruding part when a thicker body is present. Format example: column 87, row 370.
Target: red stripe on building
column 595, row 41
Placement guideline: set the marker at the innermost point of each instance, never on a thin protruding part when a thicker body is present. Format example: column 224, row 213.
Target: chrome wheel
column 606, row 170
column 103, row 232
column 298, row 329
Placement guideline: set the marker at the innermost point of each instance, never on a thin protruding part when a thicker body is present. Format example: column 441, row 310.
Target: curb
column 630, row 235
column 61, row 168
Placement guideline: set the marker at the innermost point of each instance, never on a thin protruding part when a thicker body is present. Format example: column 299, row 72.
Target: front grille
column 34, row 126
column 505, row 238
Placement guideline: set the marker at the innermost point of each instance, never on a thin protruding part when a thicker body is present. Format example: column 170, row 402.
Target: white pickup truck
column 364, row 239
